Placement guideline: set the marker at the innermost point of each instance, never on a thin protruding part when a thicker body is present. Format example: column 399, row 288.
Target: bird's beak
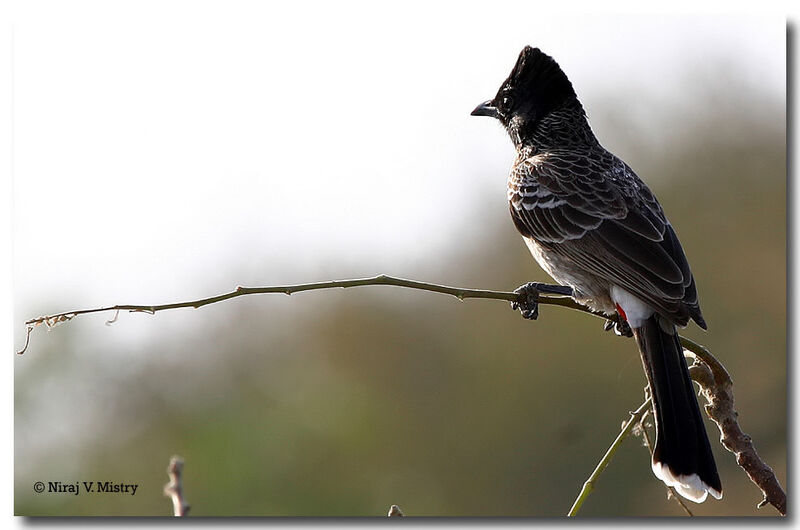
column 486, row 108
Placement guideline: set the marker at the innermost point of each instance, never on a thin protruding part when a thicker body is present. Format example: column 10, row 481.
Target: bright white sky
column 166, row 150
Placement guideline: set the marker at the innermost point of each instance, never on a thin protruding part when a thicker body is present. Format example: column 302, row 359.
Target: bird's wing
column 595, row 211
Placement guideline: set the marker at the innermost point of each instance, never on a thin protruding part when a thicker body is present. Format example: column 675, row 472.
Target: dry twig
column 174, row 488
column 717, row 387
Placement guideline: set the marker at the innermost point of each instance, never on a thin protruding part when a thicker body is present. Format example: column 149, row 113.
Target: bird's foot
column 619, row 325
column 528, row 297
column 527, row 301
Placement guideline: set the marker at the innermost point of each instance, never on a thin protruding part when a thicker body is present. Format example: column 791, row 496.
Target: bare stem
column 588, row 486
column 174, row 488
column 458, row 292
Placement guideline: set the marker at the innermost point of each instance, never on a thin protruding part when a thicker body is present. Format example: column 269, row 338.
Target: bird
column 595, row 227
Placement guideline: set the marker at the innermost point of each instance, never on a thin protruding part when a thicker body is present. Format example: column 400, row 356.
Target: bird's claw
column 527, row 301
column 619, row 325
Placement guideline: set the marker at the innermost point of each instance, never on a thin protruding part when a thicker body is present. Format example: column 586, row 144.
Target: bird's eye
column 508, row 102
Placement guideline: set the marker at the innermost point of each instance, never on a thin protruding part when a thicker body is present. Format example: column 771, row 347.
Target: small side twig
column 174, row 488
column 588, row 486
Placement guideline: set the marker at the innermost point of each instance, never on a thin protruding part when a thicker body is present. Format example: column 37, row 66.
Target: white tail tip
column 688, row 486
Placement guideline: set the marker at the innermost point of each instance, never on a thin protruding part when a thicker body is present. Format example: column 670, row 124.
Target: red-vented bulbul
column 595, row 227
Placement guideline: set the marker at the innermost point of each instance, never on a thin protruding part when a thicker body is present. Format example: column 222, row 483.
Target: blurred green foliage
column 344, row 402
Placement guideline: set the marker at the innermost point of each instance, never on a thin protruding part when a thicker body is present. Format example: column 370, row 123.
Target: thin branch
column 458, row 292
column 174, row 488
column 588, row 486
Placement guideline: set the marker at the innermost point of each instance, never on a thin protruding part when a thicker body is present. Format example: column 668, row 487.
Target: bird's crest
column 537, row 77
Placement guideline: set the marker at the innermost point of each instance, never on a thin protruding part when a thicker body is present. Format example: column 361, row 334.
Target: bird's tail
column 682, row 457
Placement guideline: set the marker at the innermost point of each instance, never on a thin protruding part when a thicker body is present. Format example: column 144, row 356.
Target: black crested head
column 535, row 87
